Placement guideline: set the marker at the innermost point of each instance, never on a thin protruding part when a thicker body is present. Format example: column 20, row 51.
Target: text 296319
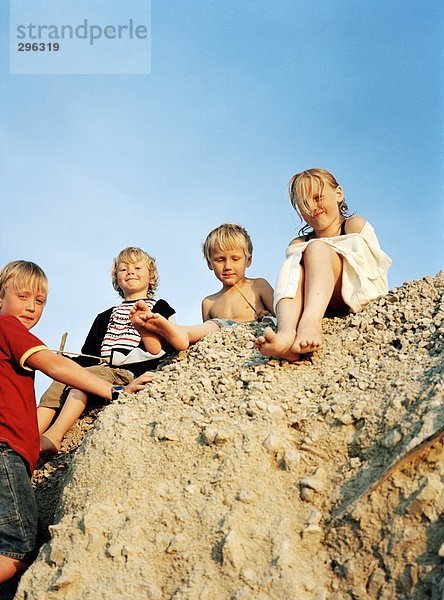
column 38, row 47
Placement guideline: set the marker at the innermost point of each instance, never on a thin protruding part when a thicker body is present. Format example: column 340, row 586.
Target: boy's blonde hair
column 227, row 237
column 22, row 274
column 301, row 191
column 132, row 255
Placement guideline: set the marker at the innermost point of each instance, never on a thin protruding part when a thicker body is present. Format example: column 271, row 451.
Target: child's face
column 229, row 265
column 325, row 207
column 133, row 279
column 25, row 304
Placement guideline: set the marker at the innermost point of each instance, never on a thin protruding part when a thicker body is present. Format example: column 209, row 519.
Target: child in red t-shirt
column 23, row 291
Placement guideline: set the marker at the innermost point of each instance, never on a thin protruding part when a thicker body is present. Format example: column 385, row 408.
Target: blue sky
column 241, row 95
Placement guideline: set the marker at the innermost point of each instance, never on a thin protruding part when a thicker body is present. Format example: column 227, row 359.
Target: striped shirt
column 120, row 333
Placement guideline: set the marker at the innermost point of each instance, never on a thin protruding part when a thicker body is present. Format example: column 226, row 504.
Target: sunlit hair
column 23, row 275
column 303, row 186
column 227, row 237
column 130, row 256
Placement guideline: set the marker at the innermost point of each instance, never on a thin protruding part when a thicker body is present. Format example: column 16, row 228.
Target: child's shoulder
column 212, row 297
column 354, row 224
column 215, row 295
column 256, row 282
column 298, row 240
column 10, row 323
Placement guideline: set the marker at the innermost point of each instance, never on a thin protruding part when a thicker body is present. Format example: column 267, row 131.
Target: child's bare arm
column 206, row 309
column 68, row 372
column 266, row 295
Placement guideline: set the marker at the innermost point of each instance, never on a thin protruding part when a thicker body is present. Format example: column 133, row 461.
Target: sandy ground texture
column 237, row 477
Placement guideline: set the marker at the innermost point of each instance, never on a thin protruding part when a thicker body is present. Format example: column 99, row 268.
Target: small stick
column 63, row 341
column 245, row 298
column 77, row 354
column 397, row 463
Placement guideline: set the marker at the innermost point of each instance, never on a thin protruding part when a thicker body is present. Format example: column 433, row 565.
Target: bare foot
column 147, row 322
column 276, row 344
column 308, row 336
column 140, row 319
column 140, row 313
column 48, row 445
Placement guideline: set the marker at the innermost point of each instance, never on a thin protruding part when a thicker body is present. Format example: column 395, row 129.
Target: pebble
column 246, row 496
column 273, row 442
column 392, row 439
column 317, row 482
column 291, row 459
column 345, row 419
column 307, row 494
column 311, row 529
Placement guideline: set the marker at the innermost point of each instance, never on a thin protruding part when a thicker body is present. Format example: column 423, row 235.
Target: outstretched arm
column 68, row 372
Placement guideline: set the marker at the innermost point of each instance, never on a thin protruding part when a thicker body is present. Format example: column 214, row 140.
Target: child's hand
column 139, row 383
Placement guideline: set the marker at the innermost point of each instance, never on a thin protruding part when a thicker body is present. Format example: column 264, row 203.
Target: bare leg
column 153, row 343
column 323, row 279
column 288, row 312
column 151, row 340
column 45, row 415
column 71, row 411
column 179, row 336
column 139, row 314
column 10, row 567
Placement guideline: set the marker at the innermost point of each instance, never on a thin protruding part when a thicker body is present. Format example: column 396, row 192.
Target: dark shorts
column 18, row 508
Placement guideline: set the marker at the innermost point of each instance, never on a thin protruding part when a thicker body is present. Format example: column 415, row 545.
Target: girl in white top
column 334, row 267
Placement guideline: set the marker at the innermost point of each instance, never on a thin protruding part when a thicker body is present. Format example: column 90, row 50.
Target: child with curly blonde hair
column 121, row 354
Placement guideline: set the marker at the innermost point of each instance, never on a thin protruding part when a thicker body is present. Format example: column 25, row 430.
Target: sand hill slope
column 237, row 477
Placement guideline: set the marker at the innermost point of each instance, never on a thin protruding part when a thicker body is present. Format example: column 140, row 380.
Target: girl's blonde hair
column 23, row 274
column 301, row 189
column 226, row 237
column 132, row 255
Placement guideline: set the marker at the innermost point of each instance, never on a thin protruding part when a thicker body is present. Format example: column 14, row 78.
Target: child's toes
column 259, row 341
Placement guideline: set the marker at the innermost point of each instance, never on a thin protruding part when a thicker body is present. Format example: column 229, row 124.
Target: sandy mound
column 237, row 477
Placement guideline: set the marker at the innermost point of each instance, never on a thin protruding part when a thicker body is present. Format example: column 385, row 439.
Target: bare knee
column 78, row 395
column 45, row 416
column 317, row 247
column 318, row 251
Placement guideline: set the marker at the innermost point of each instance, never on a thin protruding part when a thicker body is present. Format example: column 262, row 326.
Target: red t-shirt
column 18, row 414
